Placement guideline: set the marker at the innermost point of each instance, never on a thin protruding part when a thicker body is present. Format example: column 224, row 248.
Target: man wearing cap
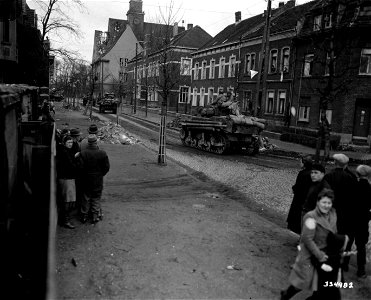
column 75, row 135
column 317, row 175
column 93, row 129
column 342, row 181
column 94, row 165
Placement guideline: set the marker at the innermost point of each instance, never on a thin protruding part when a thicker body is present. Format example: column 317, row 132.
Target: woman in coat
column 66, row 173
column 300, row 190
column 317, row 224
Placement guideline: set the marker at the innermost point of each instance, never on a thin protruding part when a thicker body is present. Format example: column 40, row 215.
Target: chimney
column 280, row 4
column 175, row 29
column 189, row 26
column 238, row 16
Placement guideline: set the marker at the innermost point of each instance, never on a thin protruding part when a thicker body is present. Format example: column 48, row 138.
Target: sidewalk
column 284, row 148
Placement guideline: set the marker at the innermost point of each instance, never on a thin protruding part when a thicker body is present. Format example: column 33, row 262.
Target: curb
column 279, row 153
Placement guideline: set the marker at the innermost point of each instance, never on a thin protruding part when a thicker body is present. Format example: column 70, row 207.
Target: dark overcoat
column 343, row 182
column 313, row 241
column 361, row 205
column 300, row 191
column 66, row 163
column 94, row 165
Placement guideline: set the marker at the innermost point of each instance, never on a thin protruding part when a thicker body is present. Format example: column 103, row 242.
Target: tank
column 222, row 134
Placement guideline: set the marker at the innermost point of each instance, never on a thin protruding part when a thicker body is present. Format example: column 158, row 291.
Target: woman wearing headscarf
column 300, row 190
column 66, row 173
column 317, row 225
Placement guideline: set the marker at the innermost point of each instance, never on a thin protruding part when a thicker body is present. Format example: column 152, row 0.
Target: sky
column 211, row 15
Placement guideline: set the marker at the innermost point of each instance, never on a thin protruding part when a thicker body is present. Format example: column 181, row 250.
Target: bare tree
column 332, row 49
column 55, row 19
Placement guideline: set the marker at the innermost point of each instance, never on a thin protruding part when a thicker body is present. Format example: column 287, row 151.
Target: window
column 249, row 62
column 125, row 77
column 328, row 20
column 317, row 22
column 365, row 65
column 281, row 102
column 210, row 96
column 185, row 66
column 183, row 95
column 220, row 89
column 285, row 61
column 121, row 61
column 203, row 70
column 328, row 115
column 304, row 113
column 308, row 65
column 202, row 97
column 194, row 100
column 273, row 61
column 212, row 69
column 157, row 68
column 150, row 67
column 126, row 62
column 196, row 72
column 232, row 66
column 144, row 71
column 269, row 102
column 221, row 68
column 327, row 67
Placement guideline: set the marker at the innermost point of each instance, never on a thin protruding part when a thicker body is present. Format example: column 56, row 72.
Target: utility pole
column 263, row 63
column 102, row 81
column 135, row 80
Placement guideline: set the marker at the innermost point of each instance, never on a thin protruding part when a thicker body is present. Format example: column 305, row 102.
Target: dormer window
column 317, row 23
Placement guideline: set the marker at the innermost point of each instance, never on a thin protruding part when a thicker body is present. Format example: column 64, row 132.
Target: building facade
column 23, row 57
column 163, row 69
column 333, row 69
column 123, row 40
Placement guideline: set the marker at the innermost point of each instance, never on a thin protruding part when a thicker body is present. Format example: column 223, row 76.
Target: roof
column 191, row 38
column 282, row 19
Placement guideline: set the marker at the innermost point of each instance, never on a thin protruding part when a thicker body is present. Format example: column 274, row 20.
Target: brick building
column 333, row 69
column 113, row 48
column 163, row 69
column 232, row 60
column 23, row 57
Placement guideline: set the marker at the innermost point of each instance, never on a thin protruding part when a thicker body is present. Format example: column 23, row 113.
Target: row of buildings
column 24, row 56
column 285, row 65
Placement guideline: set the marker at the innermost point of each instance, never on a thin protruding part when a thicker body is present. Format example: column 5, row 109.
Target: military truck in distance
column 108, row 103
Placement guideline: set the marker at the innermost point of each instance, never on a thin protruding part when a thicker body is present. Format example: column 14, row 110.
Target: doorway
column 362, row 119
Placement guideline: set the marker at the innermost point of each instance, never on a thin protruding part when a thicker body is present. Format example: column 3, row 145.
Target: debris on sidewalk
column 267, row 145
column 112, row 133
column 234, row 267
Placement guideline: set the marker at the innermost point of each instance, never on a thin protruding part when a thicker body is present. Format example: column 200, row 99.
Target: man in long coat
column 343, row 182
column 94, row 165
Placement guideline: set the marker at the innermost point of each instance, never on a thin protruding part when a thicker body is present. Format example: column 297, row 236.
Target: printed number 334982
column 337, row 284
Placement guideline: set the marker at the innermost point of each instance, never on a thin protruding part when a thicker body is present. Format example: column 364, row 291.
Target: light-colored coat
column 316, row 227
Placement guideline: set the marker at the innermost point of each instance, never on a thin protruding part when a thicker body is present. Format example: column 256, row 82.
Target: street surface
column 202, row 227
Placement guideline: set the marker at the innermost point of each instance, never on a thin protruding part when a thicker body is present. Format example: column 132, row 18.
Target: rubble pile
column 112, row 133
column 268, row 145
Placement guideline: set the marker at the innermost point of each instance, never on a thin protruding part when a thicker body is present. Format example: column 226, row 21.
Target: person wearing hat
column 93, row 129
column 342, row 181
column 360, row 208
column 94, row 165
column 300, row 191
column 317, row 175
column 66, row 174
column 75, row 134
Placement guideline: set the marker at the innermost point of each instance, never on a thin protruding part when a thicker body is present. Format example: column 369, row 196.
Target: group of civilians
column 81, row 166
column 330, row 211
